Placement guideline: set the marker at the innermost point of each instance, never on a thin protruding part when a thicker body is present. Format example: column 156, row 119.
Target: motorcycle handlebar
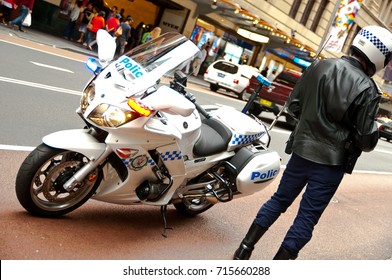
column 200, row 109
column 179, row 87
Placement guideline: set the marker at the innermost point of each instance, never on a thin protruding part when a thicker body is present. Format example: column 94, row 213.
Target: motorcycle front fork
column 79, row 176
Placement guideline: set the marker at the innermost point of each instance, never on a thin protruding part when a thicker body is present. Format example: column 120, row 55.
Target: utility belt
column 351, row 156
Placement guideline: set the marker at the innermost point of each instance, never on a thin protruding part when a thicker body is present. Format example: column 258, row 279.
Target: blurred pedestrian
column 122, row 40
column 85, row 18
column 98, row 22
column 199, row 61
column 112, row 13
column 6, row 10
column 271, row 77
column 137, row 35
column 73, row 18
column 204, row 56
column 221, row 57
column 146, row 33
column 99, row 4
column 112, row 24
column 265, row 71
column 25, row 7
column 155, row 33
column 122, row 14
column 336, row 104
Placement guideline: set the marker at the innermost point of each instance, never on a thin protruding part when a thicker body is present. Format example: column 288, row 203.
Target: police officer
column 336, row 103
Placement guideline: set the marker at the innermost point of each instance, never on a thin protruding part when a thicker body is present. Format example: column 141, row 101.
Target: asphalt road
column 356, row 226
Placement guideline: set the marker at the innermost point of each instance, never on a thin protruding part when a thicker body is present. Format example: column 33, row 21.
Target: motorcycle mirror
column 106, row 46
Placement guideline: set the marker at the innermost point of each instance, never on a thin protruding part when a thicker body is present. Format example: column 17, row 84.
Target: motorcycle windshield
column 158, row 57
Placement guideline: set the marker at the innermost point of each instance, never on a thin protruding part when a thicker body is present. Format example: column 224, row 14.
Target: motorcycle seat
column 214, row 138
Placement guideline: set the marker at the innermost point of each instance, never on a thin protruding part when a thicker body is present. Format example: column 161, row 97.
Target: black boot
column 254, row 234
column 283, row 254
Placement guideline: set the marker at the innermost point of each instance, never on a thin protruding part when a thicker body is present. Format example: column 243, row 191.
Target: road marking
column 30, row 84
column 16, row 148
column 47, row 52
column 382, row 151
column 372, row 172
column 52, row 67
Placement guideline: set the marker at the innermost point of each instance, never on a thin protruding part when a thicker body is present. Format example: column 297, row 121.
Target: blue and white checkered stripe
column 241, row 139
column 150, row 162
column 128, row 161
column 175, row 155
column 376, row 42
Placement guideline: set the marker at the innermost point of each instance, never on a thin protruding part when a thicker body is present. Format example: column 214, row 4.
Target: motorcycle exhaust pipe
column 210, row 197
column 187, row 198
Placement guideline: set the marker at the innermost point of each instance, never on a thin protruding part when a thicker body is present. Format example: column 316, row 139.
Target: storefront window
column 233, row 52
column 227, row 46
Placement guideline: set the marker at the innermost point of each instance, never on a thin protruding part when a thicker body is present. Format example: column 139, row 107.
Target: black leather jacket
column 335, row 101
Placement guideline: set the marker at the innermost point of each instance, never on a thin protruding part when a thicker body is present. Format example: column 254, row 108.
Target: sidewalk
column 46, row 39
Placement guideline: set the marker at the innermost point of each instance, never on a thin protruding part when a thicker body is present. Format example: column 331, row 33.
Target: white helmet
column 374, row 43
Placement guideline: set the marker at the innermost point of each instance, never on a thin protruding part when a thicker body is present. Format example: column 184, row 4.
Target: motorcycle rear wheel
column 40, row 180
column 194, row 209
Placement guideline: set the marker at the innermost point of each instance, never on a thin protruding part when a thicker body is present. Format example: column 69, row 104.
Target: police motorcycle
column 146, row 141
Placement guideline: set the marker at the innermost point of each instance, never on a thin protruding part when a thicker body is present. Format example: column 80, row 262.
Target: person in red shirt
column 112, row 24
column 97, row 23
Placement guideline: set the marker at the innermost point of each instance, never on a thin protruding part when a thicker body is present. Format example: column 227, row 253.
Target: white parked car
column 227, row 75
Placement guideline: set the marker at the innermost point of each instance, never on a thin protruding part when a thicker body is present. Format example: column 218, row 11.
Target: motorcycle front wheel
column 40, row 180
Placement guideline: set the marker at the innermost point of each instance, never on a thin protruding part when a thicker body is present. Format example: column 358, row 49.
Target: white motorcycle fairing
column 172, row 138
column 77, row 140
column 147, row 142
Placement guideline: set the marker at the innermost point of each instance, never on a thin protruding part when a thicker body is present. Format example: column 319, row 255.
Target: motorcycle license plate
column 265, row 102
column 220, row 75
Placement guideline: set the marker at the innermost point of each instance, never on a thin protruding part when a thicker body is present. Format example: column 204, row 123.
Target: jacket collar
column 354, row 61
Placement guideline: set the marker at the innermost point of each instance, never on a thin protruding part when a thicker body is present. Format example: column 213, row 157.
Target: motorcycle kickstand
column 163, row 214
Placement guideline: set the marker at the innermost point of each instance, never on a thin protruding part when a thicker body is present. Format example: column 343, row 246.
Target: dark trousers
column 19, row 20
column 70, row 29
column 7, row 12
column 321, row 183
column 120, row 45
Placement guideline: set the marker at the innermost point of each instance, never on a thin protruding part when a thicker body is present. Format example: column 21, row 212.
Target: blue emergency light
column 94, row 66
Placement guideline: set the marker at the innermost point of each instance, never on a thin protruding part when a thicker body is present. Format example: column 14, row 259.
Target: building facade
column 276, row 33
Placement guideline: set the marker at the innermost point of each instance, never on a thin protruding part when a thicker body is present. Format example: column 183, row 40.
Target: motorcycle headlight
column 87, row 97
column 111, row 116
